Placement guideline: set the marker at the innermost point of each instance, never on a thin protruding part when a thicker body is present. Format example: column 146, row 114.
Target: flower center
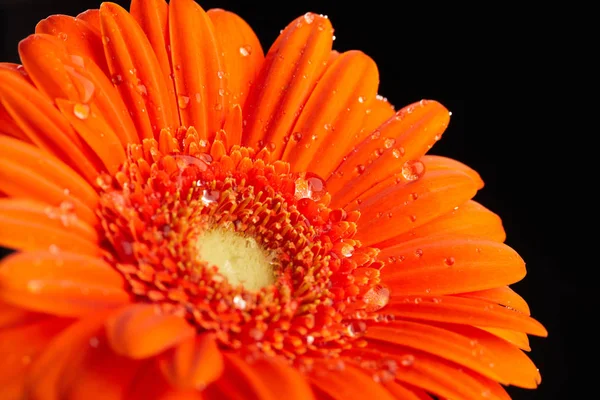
column 239, row 258
column 239, row 246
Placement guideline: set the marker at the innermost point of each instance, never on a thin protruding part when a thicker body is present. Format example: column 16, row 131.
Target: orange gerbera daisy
column 195, row 220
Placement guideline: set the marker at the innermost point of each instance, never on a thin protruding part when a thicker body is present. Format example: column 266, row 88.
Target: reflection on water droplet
column 239, row 302
column 183, row 101
column 376, row 298
column 246, row 50
column 94, row 342
column 407, row 360
column 81, row 111
column 309, row 185
column 361, row 99
column 413, row 170
column 210, row 196
column 356, row 328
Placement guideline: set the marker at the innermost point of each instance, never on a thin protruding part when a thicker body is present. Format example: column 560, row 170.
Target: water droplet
column 210, row 196
column 398, row 152
column 375, row 135
column 35, row 286
column 407, row 360
column 142, row 89
column 449, row 261
column 198, row 98
column 328, row 127
column 413, row 218
column 360, row 169
column 297, row 136
column 376, row 298
column 183, row 101
column 117, row 79
column 94, row 342
column 81, row 111
column 418, row 252
column 361, row 99
column 246, row 50
column 105, row 39
column 221, row 74
column 53, row 249
column 413, row 170
column 309, row 185
column 356, row 328
column 347, row 250
column 239, row 302
column 310, row 339
column 389, row 143
column 309, row 17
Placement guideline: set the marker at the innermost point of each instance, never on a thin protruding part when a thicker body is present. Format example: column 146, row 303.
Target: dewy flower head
column 193, row 219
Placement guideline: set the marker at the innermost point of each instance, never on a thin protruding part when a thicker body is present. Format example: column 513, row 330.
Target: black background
column 421, row 52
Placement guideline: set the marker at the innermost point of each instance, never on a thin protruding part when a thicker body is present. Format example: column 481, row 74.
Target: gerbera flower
column 195, row 220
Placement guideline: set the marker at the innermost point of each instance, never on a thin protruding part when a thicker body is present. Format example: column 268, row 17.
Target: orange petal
column 335, row 108
column 468, row 219
column 50, row 181
column 35, row 212
column 477, row 350
column 60, row 284
column 43, row 382
column 378, row 112
column 462, row 311
column 510, row 363
column 501, row 295
column 403, row 138
column 515, row 338
column 406, row 392
column 449, row 265
column 436, row 375
column 200, row 76
column 289, row 74
column 92, row 17
column 435, row 163
column 76, row 78
column 233, row 126
column 268, row 379
column 9, row 127
column 78, row 36
column 242, row 53
column 389, row 210
column 19, row 346
column 98, row 373
column 44, row 125
column 194, row 363
column 141, row 331
column 11, row 316
column 150, row 383
column 136, row 72
column 350, row 383
column 89, row 122
column 153, row 17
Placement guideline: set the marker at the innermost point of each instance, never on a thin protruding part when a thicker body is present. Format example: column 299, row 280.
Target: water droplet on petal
column 246, row 50
column 94, row 342
column 407, row 360
column 309, row 185
column 309, row 17
column 376, row 298
column 361, row 99
column 360, row 169
column 183, row 101
column 117, row 79
column 81, row 111
column 418, row 252
column 449, row 261
column 356, row 328
column 413, row 170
